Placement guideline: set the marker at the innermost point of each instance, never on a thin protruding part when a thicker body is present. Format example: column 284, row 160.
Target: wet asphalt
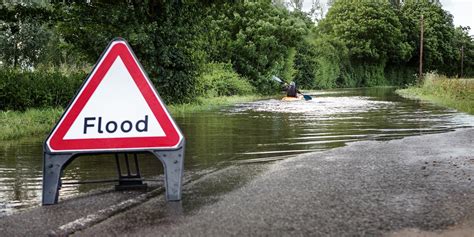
column 371, row 188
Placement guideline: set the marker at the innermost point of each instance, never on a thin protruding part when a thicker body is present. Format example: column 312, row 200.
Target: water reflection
column 252, row 132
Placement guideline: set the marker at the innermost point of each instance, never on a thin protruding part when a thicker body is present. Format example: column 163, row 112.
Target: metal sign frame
column 54, row 162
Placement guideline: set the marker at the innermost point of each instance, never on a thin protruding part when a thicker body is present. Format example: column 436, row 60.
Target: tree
column 464, row 46
column 317, row 10
column 23, row 34
column 167, row 38
column 296, row 4
column 371, row 31
column 279, row 3
column 439, row 52
column 257, row 39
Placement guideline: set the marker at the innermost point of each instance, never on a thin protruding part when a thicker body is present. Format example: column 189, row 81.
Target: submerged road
column 418, row 186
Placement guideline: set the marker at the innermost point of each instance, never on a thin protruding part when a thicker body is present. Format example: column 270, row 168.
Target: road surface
column 418, row 186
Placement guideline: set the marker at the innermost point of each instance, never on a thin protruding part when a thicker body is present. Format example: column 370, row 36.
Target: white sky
column 462, row 11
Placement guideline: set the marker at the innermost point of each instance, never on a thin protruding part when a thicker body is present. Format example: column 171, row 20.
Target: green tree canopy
column 439, row 51
column 370, row 29
column 258, row 37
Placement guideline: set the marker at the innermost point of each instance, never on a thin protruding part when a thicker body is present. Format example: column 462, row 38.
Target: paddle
column 306, row 97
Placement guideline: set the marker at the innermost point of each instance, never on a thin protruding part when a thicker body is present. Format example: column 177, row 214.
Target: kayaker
column 291, row 90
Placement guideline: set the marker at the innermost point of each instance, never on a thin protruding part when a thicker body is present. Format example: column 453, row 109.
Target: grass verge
column 32, row 122
column 453, row 93
column 38, row 122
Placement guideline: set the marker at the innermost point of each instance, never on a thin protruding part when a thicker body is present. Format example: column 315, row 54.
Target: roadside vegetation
column 32, row 122
column 200, row 53
column 453, row 93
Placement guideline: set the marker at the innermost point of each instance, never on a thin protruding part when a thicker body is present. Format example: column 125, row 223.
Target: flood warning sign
column 117, row 108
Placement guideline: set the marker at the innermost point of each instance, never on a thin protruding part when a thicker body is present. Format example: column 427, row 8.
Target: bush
column 219, row 79
column 288, row 71
column 331, row 57
column 400, row 75
column 368, row 75
column 306, row 65
column 38, row 89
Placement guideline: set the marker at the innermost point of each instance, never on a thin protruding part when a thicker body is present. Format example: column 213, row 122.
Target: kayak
column 288, row 98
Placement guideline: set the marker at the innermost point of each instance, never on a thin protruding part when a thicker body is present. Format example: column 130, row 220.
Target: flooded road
column 251, row 132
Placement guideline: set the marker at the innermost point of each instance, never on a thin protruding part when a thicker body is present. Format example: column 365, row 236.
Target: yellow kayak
column 288, row 98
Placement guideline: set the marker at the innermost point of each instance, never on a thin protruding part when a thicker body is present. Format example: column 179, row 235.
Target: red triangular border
column 172, row 138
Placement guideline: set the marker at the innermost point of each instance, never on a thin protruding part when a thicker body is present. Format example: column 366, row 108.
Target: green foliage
column 454, row 93
column 322, row 62
column 464, row 42
column 332, row 61
column 327, row 73
column 368, row 75
column 457, row 89
column 219, row 79
column 165, row 37
column 400, row 75
column 23, row 35
column 258, row 39
column 213, row 48
column 288, row 72
column 371, row 33
column 22, row 90
column 370, row 29
column 306, row 65
column 32, row 122
column 439, row 50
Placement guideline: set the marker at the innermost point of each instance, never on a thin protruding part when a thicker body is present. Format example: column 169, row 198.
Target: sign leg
column 53, row 166
column 173, row 163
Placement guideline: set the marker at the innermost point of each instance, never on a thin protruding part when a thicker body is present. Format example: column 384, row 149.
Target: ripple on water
column 318, row 106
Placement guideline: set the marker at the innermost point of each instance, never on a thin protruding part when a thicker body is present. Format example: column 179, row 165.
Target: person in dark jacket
column 291, row 90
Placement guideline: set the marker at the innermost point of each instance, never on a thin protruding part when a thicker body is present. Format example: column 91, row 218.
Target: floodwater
column 259, row 131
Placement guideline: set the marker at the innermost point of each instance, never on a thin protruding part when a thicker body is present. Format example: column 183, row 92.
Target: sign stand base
column 172, row 160
column 129, row 181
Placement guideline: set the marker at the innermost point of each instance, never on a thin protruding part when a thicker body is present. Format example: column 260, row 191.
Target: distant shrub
column 306, row 65
column 219, row 79
column 289, row 71
column 368, row 75
column 21, row 90
column 400, row 75
column 327, row 73
column 346, row 79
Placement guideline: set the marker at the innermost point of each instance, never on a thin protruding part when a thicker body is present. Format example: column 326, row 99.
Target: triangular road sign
column 117, row 108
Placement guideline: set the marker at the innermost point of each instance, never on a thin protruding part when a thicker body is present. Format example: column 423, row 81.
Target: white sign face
column 117, row 108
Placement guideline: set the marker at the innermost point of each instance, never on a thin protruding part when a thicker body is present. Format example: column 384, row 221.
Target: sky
column 462, row 11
